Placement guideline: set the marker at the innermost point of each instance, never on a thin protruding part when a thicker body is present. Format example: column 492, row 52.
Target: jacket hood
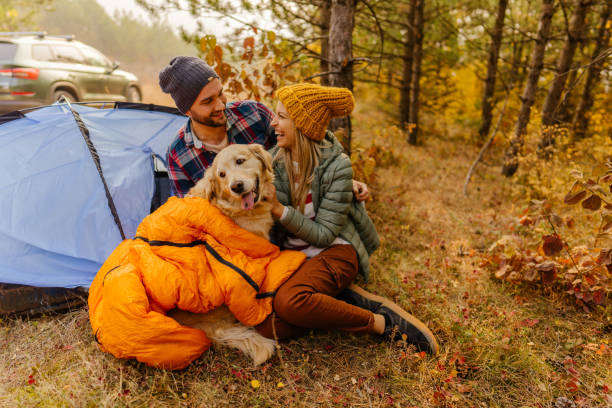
column 330, row 149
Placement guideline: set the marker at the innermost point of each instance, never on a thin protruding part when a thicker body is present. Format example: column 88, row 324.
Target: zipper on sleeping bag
column 216, row 255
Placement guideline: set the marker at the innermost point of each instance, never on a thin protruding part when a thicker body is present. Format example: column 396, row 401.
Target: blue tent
column 74, row 181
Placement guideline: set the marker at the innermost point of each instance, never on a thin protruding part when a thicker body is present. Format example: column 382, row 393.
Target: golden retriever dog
column 234, row 184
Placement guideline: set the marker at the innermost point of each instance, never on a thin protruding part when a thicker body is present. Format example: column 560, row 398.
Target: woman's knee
column 289, row 305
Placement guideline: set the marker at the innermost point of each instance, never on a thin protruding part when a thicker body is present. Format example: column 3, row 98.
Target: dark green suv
column 37, row 69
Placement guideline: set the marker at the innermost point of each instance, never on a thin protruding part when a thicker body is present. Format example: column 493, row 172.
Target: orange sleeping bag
column 185, row 255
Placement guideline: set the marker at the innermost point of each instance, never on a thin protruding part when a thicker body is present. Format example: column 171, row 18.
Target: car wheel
column 133, row 95
column 69, row 96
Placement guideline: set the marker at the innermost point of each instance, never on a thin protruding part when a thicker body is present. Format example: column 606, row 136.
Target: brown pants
column 307, row 299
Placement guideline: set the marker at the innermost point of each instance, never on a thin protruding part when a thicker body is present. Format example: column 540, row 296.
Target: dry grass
column 502, row 345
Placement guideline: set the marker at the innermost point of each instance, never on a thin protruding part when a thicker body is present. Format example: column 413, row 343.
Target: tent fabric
column 185, row 255
column 56, row 227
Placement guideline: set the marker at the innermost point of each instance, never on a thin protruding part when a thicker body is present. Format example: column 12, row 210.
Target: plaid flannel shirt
column 247, row 122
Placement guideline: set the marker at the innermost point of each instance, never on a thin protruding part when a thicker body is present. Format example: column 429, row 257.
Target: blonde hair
column 305, row 154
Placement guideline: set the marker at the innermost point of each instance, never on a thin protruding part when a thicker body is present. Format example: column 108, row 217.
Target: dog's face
column 236, row 179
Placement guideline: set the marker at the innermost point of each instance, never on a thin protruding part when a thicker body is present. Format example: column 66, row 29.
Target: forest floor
column 502, row 345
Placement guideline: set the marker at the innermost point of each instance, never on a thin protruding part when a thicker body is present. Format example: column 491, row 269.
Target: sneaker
column 398, row 322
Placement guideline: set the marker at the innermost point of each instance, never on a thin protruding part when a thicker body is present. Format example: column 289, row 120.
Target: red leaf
column 574, row 198
column 552, row 244
column 529, row 322
column 572, row 386
column 548, row 277
column 592, row 203
column 249, row 42
column 599, row 298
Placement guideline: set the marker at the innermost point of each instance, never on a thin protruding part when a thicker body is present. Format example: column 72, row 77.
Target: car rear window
column 42, row 52
column 7, row 51
column 67, row 53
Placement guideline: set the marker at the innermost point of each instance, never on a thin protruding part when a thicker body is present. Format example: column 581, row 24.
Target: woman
column 313, row 203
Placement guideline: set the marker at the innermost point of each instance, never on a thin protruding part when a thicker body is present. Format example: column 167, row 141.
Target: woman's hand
column 360, row 191
column 270, row 196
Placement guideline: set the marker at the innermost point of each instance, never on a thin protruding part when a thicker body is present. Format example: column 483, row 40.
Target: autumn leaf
column 551, row 244
column 271, row 36
column 572, row 199
column 530, row 275
column 218, row 52
column 249, row 42
column 529, row 322
column 575, row 195
column 599, row 298
column 592, row 203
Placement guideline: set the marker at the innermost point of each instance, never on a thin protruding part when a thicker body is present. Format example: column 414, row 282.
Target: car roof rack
column 39, row 34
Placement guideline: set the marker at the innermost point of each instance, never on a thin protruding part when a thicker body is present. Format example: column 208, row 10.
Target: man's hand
column 360, row 191
column 270, row 196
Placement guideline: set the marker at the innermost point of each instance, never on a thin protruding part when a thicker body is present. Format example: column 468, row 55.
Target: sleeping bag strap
column 96, row 159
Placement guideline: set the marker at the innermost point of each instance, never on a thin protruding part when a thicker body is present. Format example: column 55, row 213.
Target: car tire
column 133, row 95
column 66, row 94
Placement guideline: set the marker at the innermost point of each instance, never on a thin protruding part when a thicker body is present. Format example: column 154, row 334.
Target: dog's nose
column 237, row 187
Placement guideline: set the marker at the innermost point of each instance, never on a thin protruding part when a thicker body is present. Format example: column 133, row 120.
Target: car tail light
column 22, row 73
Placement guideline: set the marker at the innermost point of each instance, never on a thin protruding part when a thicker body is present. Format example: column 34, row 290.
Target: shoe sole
column 431, row 339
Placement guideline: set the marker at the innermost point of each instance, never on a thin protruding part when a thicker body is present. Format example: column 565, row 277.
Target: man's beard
column 208, row 121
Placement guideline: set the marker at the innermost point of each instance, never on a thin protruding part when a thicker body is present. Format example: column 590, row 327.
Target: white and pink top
column 297, row 244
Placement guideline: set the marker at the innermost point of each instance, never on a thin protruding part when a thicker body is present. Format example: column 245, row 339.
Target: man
column 213, row 123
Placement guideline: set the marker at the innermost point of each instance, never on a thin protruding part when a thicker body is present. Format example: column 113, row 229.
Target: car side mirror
column 114, row 67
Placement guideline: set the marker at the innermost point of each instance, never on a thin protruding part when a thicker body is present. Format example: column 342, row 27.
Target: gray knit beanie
column 184, row 78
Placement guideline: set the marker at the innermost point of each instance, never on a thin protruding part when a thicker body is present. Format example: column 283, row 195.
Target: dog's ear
column 207, row 187
column 266, row 160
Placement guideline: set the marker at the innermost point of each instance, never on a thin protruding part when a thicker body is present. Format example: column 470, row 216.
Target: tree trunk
column 489, row 88
column 537, row 58
column 567, row 105
column 413, row 116
column 576, row 26
column 581, row 121
column 324, row 19
column 342, row 21
column 407, row 70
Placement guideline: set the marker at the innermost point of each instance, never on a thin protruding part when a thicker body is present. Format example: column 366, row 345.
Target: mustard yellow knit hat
column 313, row 106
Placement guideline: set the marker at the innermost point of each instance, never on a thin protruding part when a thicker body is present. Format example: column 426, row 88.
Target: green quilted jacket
column 337, row 212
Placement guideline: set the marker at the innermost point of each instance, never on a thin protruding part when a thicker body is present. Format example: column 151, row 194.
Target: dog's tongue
column 248, row 201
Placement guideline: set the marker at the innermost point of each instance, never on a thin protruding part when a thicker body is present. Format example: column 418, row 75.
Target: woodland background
column 483, row 130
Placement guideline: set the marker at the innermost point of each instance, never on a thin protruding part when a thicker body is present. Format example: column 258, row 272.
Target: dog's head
column 236, row 179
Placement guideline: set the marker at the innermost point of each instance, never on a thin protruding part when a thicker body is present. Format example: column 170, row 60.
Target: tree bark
column 407, row 69
column 567, row 105
column 537, row 58
column 575, row 29
column 413, row 117
column 342, row 21
column 489, row 88
column 581, row 120
column 324, row 20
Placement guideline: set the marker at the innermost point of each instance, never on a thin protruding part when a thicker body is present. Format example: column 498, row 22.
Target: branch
column 382, row 36
column 320, row 74
column 488, row 143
